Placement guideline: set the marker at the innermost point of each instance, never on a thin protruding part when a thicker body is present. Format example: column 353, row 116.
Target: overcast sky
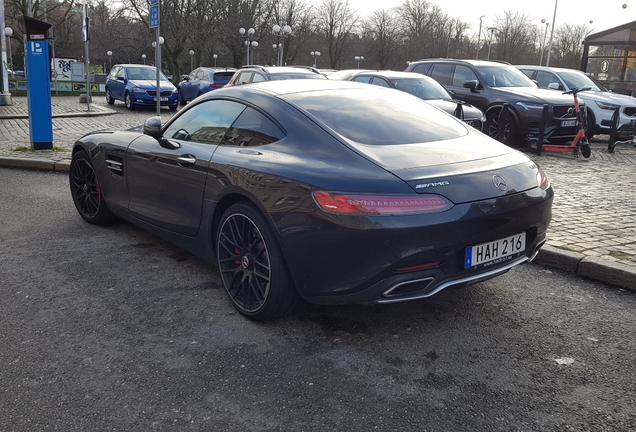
column 606, row 14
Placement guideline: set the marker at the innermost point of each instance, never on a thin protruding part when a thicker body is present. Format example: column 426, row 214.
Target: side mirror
column 170, row 79
column 121, row 78
column 473, row 85
column 452, row 93
column 152, row 127
column 554, row 86
column 185, row 77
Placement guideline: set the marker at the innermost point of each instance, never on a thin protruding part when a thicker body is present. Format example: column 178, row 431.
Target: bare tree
column 515, row 38
column 381, row 29
column 336, row 21
column 567, row 47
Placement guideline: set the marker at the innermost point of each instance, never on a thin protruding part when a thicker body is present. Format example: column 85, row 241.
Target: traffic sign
column 154, row 16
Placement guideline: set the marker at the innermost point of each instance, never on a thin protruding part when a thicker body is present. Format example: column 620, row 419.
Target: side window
column 192, row 75
column 258, row 77
column 202, row 75
column 422, row 68
column 380, row 82
column 205, row 123
column 362, row 79
column 528, row 73
column 463, row 74
column 442, row 73
column 244, row 77
column 544, row 78
column 252, row 129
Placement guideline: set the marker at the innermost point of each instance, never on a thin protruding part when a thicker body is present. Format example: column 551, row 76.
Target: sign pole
column 154, row 23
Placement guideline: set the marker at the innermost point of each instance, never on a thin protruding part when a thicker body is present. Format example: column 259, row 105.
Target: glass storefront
column 610, row 57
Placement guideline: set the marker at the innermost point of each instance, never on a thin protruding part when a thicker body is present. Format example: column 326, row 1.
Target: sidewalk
column 593, row 229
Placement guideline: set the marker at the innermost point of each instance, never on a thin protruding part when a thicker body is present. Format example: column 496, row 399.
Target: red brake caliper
column 238, row 252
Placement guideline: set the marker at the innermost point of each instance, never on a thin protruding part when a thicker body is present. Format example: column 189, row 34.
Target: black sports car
column 320, row 191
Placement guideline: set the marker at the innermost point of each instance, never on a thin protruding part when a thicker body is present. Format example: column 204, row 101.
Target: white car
column 600, row 102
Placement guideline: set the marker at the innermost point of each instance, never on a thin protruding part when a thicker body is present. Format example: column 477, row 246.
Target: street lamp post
column 8, row 32
column 479, row 37
column 359, row 59
column 281, row 33
column 250, row 33
column 191, row 60
column 110, row 63
column 215, row 56
column 545, row 34
column 143, row 56
column 492, row 30
column 547, row 61
column 255, row 48
column 315, row 55
column 157, row 48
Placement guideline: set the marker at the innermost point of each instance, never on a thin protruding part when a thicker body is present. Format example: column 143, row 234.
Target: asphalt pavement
column 592, row 233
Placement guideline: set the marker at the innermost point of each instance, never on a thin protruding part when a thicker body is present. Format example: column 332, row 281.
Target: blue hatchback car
column 136, row 85
column 202, row 80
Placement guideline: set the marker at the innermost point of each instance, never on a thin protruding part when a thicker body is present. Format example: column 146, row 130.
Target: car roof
column 548, row 68
column 469, row 61
column 135, row 65
column 282, row 69
column 213, row 69
column 284, row 87
column 395, row 74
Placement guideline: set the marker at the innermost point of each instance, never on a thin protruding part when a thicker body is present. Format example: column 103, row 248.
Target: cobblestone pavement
column 594, row 210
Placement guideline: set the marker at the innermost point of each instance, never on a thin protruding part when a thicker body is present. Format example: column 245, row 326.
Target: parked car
column 425, row 88
column 202, row 80
column 346, row 74
column 319, row 190
column 489, row 85
column 600, row 102
column 249, row 74
column 136, row 85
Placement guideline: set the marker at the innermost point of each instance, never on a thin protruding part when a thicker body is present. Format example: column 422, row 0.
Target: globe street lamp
column 281, row 33
column 250, row 33
column 110, row 63
column 215, row 56
column 359, row 59
column 191, row 59
column 8, row 32
column 143, row 56
column 315, row 55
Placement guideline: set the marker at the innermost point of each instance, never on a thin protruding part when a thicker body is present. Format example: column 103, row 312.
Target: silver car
column 601, row 103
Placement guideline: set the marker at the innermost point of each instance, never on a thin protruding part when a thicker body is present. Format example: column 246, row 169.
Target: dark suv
column 250, row 74
column 488, row 85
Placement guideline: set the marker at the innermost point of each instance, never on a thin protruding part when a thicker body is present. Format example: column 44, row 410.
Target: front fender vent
column 115, row 165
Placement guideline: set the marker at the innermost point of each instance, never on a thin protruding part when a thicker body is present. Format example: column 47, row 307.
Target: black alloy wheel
column 128, row 101
column 492, row 127
column 86, row 191
column 109, row 99
column 252, row 266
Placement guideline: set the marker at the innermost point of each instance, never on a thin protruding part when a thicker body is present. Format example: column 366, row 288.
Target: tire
column 109, row 99
column 86, row 191
column 492, row 128
column 586, row 150
column 182, row 101
column 252, row 267
column 173, row 107
column 590, row 124
column 128, row 101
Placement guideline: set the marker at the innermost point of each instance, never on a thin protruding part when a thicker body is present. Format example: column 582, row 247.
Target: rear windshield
column 223, row 77
column 380, row 116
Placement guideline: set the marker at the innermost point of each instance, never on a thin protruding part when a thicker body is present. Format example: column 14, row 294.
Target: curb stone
column 594, row 268
column 37, row 164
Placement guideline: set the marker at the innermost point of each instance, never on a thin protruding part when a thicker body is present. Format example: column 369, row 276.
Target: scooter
column 579, row 143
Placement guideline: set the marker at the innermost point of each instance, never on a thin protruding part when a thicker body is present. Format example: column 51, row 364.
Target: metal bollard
column 614, row 128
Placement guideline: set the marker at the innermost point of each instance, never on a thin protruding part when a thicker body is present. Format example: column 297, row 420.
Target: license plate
column 162, row 99
column 566, row 123
column 496, row 251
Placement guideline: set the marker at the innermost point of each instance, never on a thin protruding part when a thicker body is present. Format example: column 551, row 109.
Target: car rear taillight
column 367, row 204
column 215, row 85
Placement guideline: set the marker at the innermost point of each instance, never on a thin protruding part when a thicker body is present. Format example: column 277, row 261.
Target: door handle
column 186, row 161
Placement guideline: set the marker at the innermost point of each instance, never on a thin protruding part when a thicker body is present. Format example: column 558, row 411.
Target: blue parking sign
column 154, row 16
